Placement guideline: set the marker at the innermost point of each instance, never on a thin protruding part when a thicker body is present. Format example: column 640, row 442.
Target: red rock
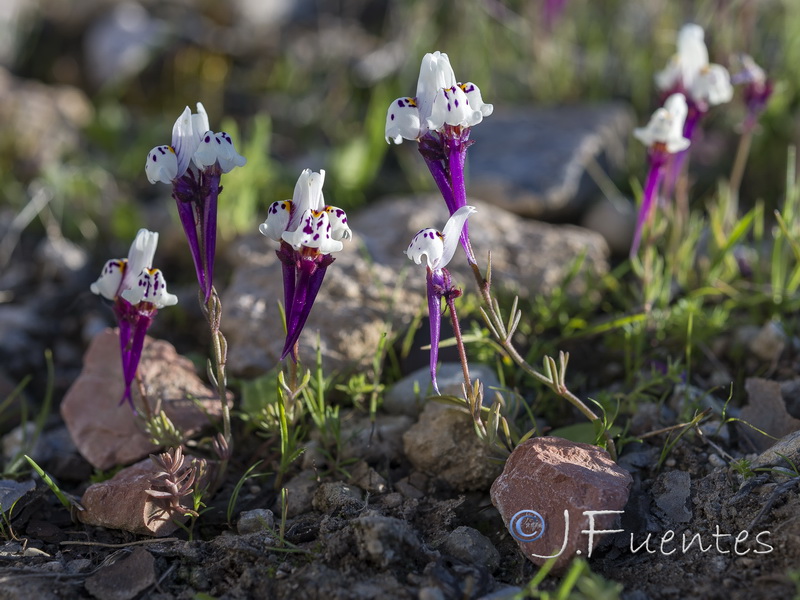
column 122, row 503
column 109, row 434
column 548, row 475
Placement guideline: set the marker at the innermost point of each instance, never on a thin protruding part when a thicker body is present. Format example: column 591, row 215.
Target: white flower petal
column 227, row 155
column 435, row 73
column 184, row 140
column 140, row 256
column 473, row 94
column 307, row 195
column 712, row 85
column 690, row 58
column 452, row 232
column 107, row 285
column 161, row 165
column 428, row 242
column 402, row 120
column 206, row 153
column 340, row 230
column 150, row 287
column 666, row 126
column 277, row 220
column 200, row 121
column 314, row 232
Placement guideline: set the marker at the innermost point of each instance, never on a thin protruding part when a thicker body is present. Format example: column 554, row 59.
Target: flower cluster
column 193, row 164
column 308, row 231
column 137, row 291
column 439, row 118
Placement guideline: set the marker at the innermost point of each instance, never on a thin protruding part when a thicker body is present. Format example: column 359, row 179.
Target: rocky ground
column 406, row 509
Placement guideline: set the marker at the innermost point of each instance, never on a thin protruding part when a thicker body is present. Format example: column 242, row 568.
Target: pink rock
column 109, row 434
column 546, row 476
column 122, row 503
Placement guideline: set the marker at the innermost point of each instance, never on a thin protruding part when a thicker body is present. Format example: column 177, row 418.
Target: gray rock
column 528, row 257
column 443, row 444
column 471, row 546
column 125, row 578
column 357, row 304
column 383, row 440
column 385, row 540
column 407, row 396
column 301, row 490
column 788, row 446
column 253, row 521
column 11, row 491
column 671, row 493
column 365, row 477
column 362, row 299
column 533, row 161
column 39, row 123
column 615, row 220
column 338, row 497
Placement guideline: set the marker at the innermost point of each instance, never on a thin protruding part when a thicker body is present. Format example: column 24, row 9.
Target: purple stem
column 134, row 354
column 186, row 214
column 435, row 320
column 650, row 189
column 309, row 280
column 679, row 159
column 457, row 158
column 209, row 225
column 442, row 182
column 288, row 264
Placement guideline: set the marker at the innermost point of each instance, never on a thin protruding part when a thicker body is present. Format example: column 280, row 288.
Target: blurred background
column 88, row 87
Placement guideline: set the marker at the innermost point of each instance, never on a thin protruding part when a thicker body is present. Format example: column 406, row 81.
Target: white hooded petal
column 184, row 141
column 151, row 287
column 206, row 153
column 692, row 51
column 712, row 85
column 200, row 122
column 439, row 247
column 429, row 243
column 666, row 126
column 473, row 94
column 435, row 73
column 277, row 220
column 691, row 56
column 340, row 230
column 314, row 232
column 161, row 165
column 402, row 120
column 107, row 285
column 307, row 196
column 452, row 232
column 227, row 155
column 140, row 256
column 451, row 107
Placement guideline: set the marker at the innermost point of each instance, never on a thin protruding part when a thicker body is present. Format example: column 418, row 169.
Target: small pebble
column 253, row 521
column 716, row 460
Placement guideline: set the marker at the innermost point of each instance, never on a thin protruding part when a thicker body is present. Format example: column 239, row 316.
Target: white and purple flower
column 664, row 137
column 439, row 118
column 308, row 231
column 137, row 291
column 193, row 164
column 438, row 248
